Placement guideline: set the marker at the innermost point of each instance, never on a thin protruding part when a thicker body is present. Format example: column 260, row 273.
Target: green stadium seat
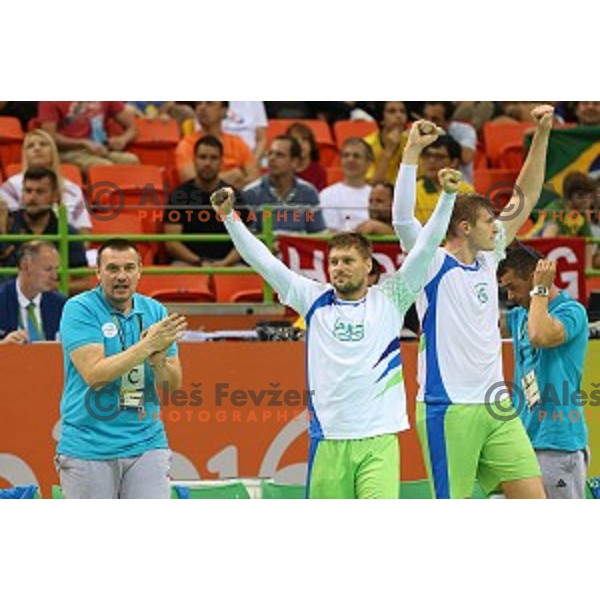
column 279, row 491
column 221, row 491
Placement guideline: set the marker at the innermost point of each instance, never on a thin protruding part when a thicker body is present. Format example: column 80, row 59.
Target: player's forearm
column 256, row 254
column 417, row 262
column 531, row 177
column 405, row 194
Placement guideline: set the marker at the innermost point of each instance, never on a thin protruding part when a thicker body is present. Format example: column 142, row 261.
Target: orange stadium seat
column 496, row 184
column 497, row 135
column 328, row 152
column 156, row 143
column 512, row 156
column 12, row 169
column 343, row 130
column 11, row 139
column 177, row 288
column 123, row 225
column 237, row 288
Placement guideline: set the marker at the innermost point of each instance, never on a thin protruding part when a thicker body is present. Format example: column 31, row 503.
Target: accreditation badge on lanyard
column 529, row 383
column 131, row 392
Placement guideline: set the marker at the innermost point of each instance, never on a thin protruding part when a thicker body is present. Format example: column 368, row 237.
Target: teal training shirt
column 557, row 422
column 92, row 426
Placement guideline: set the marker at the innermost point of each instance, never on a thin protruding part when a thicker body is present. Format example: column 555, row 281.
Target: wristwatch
column 539, row 290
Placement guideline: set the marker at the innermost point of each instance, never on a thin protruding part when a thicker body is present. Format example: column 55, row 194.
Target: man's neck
column 27, row 288
column 37, row 224
column 461, row 250
column 283, row 184
column 355, row 182
column 214, row 130
column 207, row 186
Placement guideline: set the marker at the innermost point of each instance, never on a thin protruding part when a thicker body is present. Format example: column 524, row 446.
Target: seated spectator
column 440, row 113
column 295, row 202
column 572, row 215
column 308, row 168
column 36, row 217
column 476, row 113
column 192, row 212
column 239, row 165
column 248, row 120
column 444, row 153
column 346, row 204
column 79, row 129
column 159, row 109
column 388, row 143
column 588, row 113
column 39, row 150
column 380, row 211
column 30, row 308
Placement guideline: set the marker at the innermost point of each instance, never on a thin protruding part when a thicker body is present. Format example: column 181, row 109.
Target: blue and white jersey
column 460, row 354
column 354, row 366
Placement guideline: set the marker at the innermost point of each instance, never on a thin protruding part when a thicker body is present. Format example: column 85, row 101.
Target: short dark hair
column 386, row 185
column 451, row 145
column 466, row 208
column 209, row 140
column 356, row 141
column 295, row 149
column 119, row 244
column 39, row 173
column 31, row 250
column 521, row 259
column 305, row 131
column 577, row 182
column 448, row 107
column 351, row 239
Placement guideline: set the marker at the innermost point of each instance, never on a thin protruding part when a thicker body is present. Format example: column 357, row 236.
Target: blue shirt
column 299, row 211
column 556, row 422
column 93, row 427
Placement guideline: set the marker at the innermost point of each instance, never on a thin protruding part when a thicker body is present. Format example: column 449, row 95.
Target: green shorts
column 366, row 468
column 464, row 442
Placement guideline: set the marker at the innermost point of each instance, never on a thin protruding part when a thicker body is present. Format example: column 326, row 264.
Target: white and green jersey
column 354, row 366
column 460, row 354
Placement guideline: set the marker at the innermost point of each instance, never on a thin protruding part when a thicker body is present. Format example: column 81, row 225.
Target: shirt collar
column 135, row 308
column 24, row 302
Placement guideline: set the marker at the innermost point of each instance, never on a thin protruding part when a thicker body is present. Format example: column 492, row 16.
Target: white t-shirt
column 354, row 363
column 460, row 355
column 345, row 207
column 243, row 117
column 77, row 213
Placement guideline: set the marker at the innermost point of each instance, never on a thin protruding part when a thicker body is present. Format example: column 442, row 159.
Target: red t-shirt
column 73, row 118
column 314, row 174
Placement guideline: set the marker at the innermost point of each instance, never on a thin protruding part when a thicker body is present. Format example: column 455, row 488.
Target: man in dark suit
column 30, row 309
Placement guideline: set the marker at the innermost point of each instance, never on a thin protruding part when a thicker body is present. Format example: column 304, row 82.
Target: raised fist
column 450, row 180
column 222, row 200
column 422, row 133
column 543, row 116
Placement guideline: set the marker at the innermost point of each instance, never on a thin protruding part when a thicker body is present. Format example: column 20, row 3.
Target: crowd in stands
column 332, row 163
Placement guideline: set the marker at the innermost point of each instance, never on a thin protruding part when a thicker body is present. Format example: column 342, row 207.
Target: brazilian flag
column 574, row 149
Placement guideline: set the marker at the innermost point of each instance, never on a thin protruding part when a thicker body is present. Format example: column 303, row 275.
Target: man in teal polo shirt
column 550, row 336
column 118, row 346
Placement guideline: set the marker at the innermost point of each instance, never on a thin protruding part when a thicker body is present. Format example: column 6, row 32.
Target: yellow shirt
column 375, row 142
column 428, row 195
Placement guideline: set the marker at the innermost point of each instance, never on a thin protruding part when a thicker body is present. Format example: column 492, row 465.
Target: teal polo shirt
column 92, row 426
column 557, row 422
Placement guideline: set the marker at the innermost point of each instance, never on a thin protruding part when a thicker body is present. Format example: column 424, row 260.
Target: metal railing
column 63, row 239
